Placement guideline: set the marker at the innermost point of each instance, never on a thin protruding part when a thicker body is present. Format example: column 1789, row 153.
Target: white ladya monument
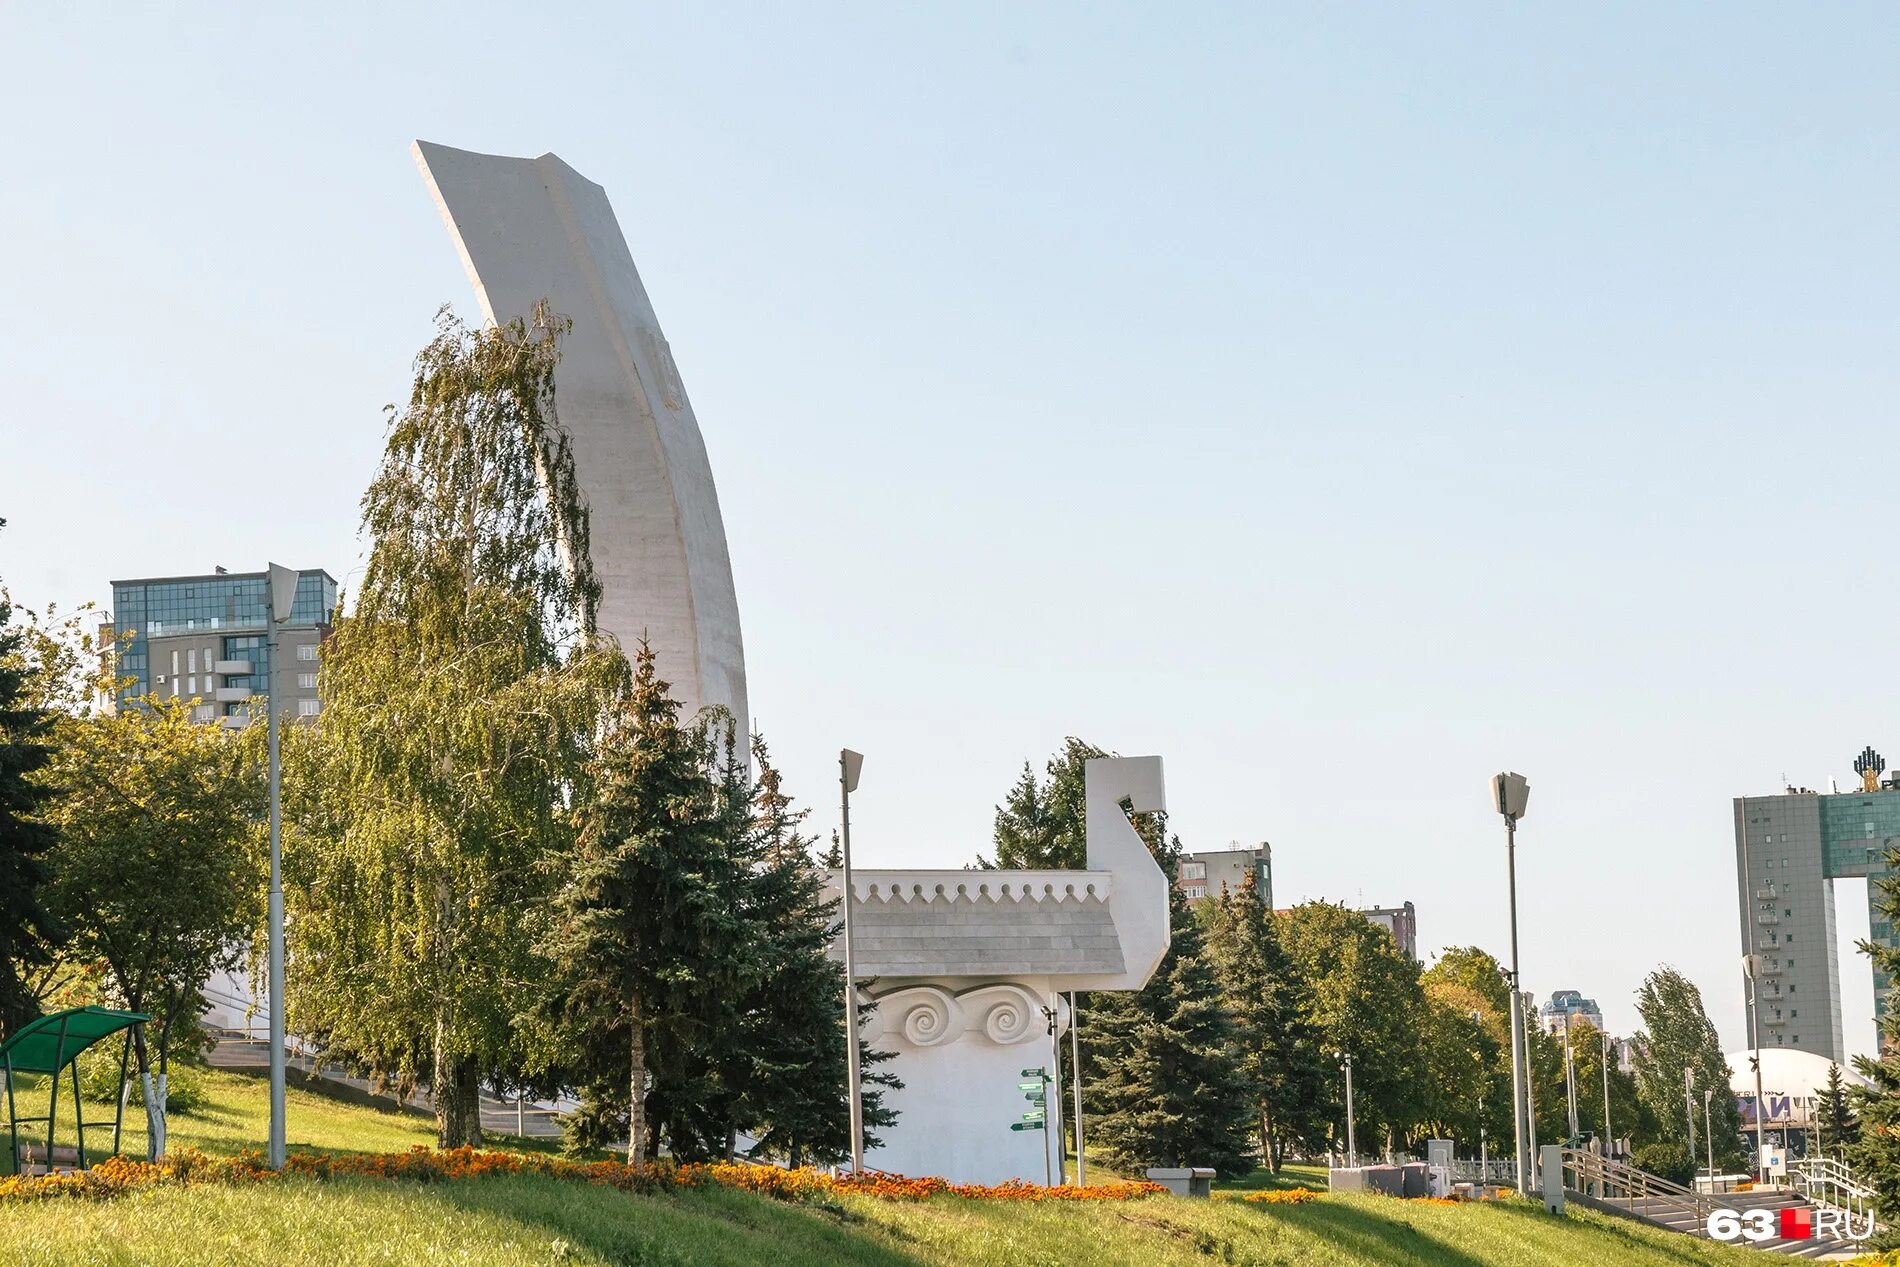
column 966, row 968
column 970, row 966
column 534, row 228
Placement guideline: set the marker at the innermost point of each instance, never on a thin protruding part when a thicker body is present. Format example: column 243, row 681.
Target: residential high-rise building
column 1199, row 874
column 1572, row 1004
column 203, row 638
column 1401, row 922
column 1788, row 851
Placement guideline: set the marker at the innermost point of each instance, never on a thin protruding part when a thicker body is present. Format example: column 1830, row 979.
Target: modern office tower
column 1572, row 1004
column 1788, row 850
column 1199, row 874
column 203, row 638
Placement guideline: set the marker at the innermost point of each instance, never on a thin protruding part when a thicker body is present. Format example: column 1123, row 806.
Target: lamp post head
column 1510, row 792
column 850, row 765
column 283, row 592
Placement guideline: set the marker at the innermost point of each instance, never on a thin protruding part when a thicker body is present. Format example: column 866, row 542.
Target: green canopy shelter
column 51, row 1045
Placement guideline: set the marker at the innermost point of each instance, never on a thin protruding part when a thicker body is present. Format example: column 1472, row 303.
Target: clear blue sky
column 1343, row 402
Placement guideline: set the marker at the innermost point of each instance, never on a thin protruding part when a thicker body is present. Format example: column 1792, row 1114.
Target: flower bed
column 1282, row 1196
column 186, row 1167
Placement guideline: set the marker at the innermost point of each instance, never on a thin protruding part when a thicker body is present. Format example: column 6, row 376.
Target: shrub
column 1665, row 1161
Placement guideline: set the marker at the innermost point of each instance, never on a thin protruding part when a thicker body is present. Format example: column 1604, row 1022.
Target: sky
column 1343, row 402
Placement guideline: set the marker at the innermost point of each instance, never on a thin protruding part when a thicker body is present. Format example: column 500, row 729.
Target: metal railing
column 1648, row 1196
column 1827, row 1182
column 1499, row 1170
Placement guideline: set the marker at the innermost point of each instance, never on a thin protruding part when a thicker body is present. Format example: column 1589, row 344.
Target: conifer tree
column 1163, row 1087
column 25, row 840
column 644, row 928
column 1874, row 1154
column 1833, row 1115
column 1276, row 1049
column 789, row 1053
column 1042, row 825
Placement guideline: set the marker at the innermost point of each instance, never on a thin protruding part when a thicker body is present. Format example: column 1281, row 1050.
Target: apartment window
column 1193, row 871
column 204, row 712
column 306, row 708
column 308, row 651
column 191, row 659
column 193, row 688
column 174, row 663
column 307, row 681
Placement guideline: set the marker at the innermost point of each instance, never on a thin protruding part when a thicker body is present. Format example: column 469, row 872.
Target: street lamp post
column 1352, row 1143
column 1510, row 793
column 850, row 765
column 1688, row 1108
column 1075, row 1061
column 1708, row 1133
column 283, row 595
column 1607, row 1136
column 1570, row 1083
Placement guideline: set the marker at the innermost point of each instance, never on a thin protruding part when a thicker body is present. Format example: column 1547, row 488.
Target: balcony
column 1765, row 894
column 1772, row 970
column 233, row 694
column 1773, row 1022
column 242, row 668
column 1766, row 917
column 234, row 721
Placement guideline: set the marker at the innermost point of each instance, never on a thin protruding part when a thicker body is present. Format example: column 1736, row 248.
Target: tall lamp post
column 1570, row 1082
column 1708, row 1133
column 283, row 594
column 1352, row 1143
column 1607, row 1137
column 1510, row 793
column 850, row 764
column 1688, row 1109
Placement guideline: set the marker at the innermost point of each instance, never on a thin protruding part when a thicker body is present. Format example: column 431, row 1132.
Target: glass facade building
column 233, row 609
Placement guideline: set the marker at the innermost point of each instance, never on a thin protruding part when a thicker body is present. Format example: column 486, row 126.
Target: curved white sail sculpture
column 968, row 968
column 534, row 228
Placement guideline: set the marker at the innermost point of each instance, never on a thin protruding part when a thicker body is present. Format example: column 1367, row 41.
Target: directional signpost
column 1036, row 1119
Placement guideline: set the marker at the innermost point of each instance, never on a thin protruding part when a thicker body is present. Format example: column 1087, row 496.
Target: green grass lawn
column 531, row 1220
column 538, row 1220
column 236, row 1116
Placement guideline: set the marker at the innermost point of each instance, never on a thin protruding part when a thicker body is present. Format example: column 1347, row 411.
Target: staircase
column 1615, row 1188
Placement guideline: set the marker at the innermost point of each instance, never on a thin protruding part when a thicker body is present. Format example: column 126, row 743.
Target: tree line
column 512, row 865
column 1233, row 1055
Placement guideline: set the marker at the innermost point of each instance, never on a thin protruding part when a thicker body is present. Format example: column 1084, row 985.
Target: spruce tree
column 1833, row 1116
column 643, row 926
column 1163, row 1087
column 1276, row 1049
column 1874, row 1154
column 790, row 1041
column 1042, row 825
column 25, row 840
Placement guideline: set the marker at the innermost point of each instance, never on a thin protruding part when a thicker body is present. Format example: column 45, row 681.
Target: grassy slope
column 508, row 1221
column 523, row 1220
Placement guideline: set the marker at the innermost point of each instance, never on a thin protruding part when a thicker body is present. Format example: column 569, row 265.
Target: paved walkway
column 499, row 1117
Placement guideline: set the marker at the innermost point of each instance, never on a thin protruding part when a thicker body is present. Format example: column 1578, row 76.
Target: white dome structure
column 1786, row 1071
column 1791, row 1083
